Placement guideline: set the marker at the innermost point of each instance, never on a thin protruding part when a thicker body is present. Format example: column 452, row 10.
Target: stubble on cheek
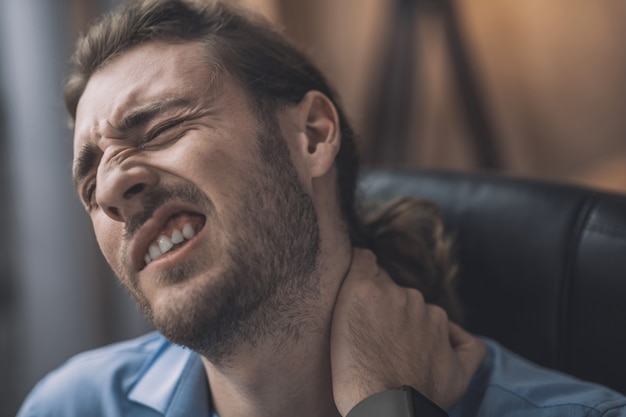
column 119, row 261
column 115, row 248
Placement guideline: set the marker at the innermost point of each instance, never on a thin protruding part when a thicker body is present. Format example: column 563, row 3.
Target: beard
column 269, row 285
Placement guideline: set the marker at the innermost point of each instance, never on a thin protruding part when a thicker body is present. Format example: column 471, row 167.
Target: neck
column 293, row 381
column 286, row 379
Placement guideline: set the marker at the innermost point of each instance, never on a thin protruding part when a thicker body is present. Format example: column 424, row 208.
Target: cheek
column 215, row 165
column 109, row 237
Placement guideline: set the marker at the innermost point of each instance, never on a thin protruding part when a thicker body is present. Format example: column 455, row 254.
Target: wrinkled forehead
column 144, row 74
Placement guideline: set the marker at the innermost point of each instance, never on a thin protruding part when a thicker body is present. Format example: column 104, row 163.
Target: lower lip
column 175, row 256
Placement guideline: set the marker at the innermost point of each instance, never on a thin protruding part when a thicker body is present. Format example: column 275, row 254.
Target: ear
column 319, row 134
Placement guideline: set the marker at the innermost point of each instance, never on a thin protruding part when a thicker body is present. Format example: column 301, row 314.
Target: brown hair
column 274, row 72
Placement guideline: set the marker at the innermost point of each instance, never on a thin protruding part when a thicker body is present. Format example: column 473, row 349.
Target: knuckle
column 366, row 290
column 364, row 256
column 438, row 313
column 415, row 296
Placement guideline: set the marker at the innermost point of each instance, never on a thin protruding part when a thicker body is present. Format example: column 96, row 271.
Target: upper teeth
column 164, row 244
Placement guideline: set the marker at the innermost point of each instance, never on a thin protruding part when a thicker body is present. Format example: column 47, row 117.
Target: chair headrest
column 542, row 265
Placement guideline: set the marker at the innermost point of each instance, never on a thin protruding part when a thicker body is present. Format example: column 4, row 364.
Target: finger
column 363, row 260
column 470, row 350
column 363, row 266
column 458, row 336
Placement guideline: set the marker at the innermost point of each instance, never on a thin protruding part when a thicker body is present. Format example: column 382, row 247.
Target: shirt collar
column 173, row 382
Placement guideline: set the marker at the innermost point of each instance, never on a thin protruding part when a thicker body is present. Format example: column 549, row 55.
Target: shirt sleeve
column 508, row 385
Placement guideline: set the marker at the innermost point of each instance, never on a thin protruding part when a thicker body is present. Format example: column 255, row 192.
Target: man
column 219, row 174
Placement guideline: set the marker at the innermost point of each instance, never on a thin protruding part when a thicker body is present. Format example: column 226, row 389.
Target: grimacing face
column 195, row 203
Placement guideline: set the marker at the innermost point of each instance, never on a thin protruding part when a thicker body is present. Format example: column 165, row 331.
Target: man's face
column 196, row 205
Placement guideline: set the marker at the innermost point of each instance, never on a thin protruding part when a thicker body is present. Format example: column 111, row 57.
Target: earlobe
column 320, row 132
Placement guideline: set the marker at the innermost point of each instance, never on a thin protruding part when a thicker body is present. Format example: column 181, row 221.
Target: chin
column 179, row 308
column 200, row 316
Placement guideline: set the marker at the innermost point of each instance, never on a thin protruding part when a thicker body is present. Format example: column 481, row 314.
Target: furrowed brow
column 84, row 163
column 135, row 119
column 139, row 117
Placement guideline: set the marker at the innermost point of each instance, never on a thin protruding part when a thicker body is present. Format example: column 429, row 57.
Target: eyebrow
column 87, row 156
column 142, row 115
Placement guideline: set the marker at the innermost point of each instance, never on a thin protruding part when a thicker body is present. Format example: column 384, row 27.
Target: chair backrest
column 542, row 265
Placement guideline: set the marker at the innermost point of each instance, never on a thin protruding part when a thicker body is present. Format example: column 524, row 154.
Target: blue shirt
column 149, row 376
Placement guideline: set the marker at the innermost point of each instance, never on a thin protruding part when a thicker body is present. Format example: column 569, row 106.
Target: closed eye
column 162, row 128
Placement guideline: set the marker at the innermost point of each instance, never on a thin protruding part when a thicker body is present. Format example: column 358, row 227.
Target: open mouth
column 178, row 230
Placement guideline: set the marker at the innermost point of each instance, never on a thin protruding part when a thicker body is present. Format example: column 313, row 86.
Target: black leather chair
column 542, row 266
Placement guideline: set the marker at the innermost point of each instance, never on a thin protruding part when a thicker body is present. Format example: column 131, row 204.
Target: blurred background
column 533, row 88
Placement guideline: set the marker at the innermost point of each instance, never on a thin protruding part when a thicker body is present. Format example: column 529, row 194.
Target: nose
column 121, row 183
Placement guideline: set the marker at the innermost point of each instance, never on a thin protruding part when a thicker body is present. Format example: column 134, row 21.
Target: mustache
column 153, row 199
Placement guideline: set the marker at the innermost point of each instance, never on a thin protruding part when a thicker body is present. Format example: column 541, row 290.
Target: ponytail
column 407, row 236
